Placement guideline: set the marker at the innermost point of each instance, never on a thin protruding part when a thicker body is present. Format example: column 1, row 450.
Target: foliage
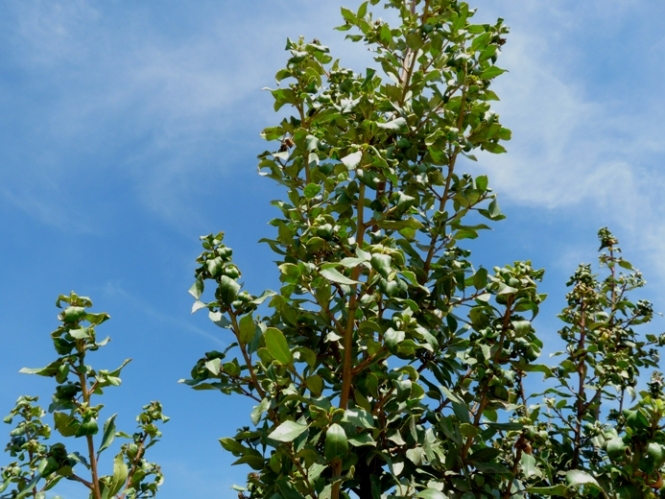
column 388, row 365
column 39, row 466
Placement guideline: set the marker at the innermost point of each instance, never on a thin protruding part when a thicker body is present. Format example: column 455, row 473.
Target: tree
column 39, row 466
column 388, row 365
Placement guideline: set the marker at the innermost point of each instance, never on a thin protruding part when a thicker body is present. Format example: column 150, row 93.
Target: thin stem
column 347, row 366
column 85, row 392
column 347, row 373
column 248, row 360
column 137, row 460
column 581, row 396
column 81, row 480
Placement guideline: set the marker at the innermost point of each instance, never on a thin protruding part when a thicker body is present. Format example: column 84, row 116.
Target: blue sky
column 128, row 129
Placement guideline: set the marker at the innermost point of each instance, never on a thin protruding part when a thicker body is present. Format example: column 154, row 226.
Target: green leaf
column 431, row 494
column 415, row 455
column 395, row 124
column 348, row 15
column 254, row 461
column 80, row 334
column 311, row 143
column 362, row 10
column 350, row 262
column 288, row 431
column 259, row 410
column 352, row 160
column 213, row 366
column 468, row 430
column 73, row 314
column 480, row 278
column 86, row 428
column 264, row 296
column 382, row 264
column 214, row 266
column 358, row 417
column 577, row 478
column 50, row 370
column 393, row 338
column 311, row 190
column 109, row 434
column 504, row 289
column 414, row 41
column 272, row 133
column 198, row 305
column 228, row 290
column 314, row 384
column 336, row 444
column 219, row 319
column 335, row 276
column 556, row 490
column 287, row 490
column 278, row 346
column 233, row 446
column 28, row 487
column 119, row 478
column 529, row 466
column 491, row 72
column 66, row 425
column 361, row 440
column 247, row 329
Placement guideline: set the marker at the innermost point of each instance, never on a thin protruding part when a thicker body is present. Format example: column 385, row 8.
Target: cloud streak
column 115, row 89
column 581, row 145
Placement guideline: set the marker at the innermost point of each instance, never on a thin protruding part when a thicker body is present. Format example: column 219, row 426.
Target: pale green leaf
column 335, row 276
column 352, row 160
column 288, row 431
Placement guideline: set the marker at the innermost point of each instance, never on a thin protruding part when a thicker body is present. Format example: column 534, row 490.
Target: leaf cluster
column 40, row 465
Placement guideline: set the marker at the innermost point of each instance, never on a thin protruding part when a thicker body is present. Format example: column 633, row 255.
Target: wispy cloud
column 114, row 289
column 581, row 144
column 114, row 88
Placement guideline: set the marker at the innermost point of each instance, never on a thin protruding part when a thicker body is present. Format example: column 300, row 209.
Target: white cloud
column 581, row 144
column 118, row 90
column 109, row 80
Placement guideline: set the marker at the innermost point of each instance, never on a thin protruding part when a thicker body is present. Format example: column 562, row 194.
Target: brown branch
column 248, row 360
column 581, row 394
column 85, row 393
column 81, row 480
column 484, row 399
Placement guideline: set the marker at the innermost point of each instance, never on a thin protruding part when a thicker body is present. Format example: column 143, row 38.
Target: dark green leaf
column 247, row 329
column 278, row 346
column 228, row 290
column 314, row 384
column 86, row 428
column 233, row 446
column 336, row 444
column 109, row 434
column 311, row 190
column 491, row 72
